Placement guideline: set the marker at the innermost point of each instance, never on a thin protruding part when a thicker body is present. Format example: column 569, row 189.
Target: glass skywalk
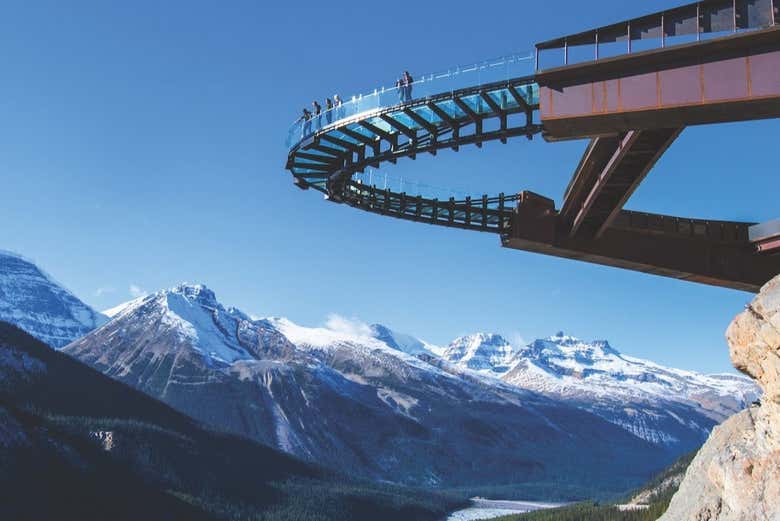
column 424, row 86
column 333, row 151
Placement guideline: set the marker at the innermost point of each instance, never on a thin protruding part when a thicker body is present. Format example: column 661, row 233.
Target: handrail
column 470, row 75
column 486, row 214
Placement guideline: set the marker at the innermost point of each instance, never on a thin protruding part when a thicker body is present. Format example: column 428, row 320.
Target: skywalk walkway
column 630, row 87
column 498, row 102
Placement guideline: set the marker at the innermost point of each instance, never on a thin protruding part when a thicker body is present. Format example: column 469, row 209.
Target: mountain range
column 666, row 406
column 75, row 444
column 389, row 406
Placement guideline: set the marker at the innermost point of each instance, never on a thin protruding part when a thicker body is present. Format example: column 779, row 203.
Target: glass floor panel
column 405, row 120
column 427, row 114
column 451, row 108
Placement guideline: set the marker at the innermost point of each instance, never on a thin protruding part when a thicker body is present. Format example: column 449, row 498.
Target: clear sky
column 143, row 145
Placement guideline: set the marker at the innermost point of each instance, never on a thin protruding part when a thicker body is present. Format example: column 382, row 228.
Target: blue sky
column 143, row 145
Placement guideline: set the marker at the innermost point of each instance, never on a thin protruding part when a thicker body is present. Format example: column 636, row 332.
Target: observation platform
column 631, row 88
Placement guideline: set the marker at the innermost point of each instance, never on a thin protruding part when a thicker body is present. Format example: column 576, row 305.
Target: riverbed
column 489, row 508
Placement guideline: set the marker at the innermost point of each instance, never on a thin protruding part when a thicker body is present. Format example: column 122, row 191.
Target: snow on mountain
column 366, row 339
column 403, row 342
column 36, row 303
column 669, row 407
column 660, row 404
column 566, row 365
column 336, row 393
column 116, row 310
column 351, row 396
column 484, row 352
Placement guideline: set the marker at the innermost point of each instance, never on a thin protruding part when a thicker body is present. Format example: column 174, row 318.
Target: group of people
column 316, row 112
column 404, row 86
column 333, row 108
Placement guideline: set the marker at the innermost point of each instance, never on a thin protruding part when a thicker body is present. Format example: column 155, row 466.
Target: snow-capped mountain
column 663, row 405
column 366, row 400
column 337, row 394
column 481, row 352
column 402, row 342
column 33, row 301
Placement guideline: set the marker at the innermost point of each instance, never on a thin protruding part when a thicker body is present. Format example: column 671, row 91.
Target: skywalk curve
column 326, row 151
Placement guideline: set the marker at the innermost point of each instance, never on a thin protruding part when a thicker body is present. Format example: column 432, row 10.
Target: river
column 482, row 508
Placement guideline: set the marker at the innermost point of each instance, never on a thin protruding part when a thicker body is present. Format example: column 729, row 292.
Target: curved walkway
column 327, row 150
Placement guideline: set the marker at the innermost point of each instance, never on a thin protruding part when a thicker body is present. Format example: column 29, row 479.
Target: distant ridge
column 35, row 302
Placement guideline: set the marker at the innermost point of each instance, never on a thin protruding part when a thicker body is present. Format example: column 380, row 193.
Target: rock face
column 736, row 475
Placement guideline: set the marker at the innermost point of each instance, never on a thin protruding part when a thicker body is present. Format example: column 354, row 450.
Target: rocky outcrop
column 754, row 340
column 736, row 475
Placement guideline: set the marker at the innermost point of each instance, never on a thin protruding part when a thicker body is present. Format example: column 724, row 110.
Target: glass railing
column 412, row 187
column 472, row 75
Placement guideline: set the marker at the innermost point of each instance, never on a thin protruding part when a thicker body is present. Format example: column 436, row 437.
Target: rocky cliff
column 736, row 475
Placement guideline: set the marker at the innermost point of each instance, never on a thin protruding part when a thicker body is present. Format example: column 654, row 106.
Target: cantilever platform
column 632, row 106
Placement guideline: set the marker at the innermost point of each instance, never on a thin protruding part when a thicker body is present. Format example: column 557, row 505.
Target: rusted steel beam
column 651, row 145
column 705, row 16
column 732, row 78
column 592, row 163
column 769, row 245
column 717, row 253
column 602, row 180
column 766, row 236
column 601, row 188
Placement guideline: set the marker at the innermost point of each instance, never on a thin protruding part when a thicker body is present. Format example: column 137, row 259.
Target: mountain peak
column 481, row 352
column 194, row 292
column 569, row 350
column 400, row 341
column 192, row 315
column 33, row 301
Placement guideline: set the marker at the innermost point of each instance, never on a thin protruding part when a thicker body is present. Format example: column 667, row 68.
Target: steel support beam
column 608, row 175
column 731, row 78
column 430, row 127
column 717, row 253
column 387, row 136
column 353, row 147
column 358, row 136
column 766, row 237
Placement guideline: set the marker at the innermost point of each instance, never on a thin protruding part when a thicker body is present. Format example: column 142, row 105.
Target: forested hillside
column 75, row 444
column 649, row 502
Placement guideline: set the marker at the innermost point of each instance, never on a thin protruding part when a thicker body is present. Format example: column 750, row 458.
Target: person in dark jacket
column 306, row 118
column 408, row 81
column 317, row 114
column 328, row 111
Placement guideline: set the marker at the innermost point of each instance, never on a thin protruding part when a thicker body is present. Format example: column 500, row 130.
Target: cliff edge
column 736, row 474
